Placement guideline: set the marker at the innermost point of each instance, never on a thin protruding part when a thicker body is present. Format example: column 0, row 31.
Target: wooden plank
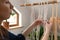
column 41, row 3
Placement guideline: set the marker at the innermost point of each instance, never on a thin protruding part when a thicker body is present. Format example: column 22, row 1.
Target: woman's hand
column 48, row 26
column 30, row 27
column 38, row 21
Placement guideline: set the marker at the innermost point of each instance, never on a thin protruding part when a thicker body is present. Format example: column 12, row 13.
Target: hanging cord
column 42, row 11
column 32, row 14
column 45, row 11
column 33, row 34
column 32, row 19
column 38, row 27
column 52, row 34
column 46, row 17
column 40, row 16
column 54, row 21
column 55, row 31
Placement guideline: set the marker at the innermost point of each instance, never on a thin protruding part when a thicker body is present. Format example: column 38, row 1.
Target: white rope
column 45, row 11
column 32, row 14
column 42, row 11
column 38, row 27
column 56, row 21
column 39, row 14
column 52, row 34
column 32, row 19
column 45, row 14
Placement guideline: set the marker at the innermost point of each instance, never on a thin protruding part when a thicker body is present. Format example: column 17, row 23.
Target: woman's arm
column 30, row 27
column 45, row 35
column 47, row 31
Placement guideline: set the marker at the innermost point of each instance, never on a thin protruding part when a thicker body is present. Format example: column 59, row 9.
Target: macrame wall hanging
column 42, row 14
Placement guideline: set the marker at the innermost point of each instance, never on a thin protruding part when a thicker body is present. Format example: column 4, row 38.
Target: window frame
column 17, row 22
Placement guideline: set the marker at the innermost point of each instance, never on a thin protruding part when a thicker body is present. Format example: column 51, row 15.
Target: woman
column 5, row 10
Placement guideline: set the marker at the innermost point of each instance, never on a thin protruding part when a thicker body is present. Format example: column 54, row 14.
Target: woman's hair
column 2, row 1
column 3, row 34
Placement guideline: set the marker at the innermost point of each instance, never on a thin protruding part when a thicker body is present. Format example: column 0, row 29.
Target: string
column 32, row 19
column 42, row 10
column 54, row 22
column 45, row 11
column 32, row 14
column 38, row 27
column 52, row 34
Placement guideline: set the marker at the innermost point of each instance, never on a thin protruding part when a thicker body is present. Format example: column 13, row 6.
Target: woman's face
column 5, row 9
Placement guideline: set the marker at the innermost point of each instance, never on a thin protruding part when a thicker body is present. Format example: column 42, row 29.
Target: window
column 14, row 19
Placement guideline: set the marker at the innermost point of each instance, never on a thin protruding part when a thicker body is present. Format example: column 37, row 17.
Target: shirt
column 6, row 35
column 14, row 37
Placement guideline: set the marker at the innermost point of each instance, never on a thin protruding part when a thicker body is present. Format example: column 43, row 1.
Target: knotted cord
column 54, row 20
column 33, row 17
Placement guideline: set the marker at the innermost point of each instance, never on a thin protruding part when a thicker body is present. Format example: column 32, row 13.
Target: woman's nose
column 11, row 6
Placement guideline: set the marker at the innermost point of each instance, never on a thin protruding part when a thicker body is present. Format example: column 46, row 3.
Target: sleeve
column 21, row 37
column 16, row 37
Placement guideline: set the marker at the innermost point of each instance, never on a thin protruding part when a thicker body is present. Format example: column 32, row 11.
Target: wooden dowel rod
column 43, row 3
column 35, row 3
column 25, row 5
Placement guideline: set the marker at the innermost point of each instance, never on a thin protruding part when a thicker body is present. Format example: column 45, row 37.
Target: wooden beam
column 41, row 3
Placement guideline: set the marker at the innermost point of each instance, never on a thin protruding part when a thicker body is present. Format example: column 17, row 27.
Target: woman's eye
column 6, row 2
